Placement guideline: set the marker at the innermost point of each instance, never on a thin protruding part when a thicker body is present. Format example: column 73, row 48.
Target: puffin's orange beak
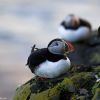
column 69, row 46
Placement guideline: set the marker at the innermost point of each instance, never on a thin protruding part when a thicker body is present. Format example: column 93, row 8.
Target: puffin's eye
column 66, row 48
column 56, row 43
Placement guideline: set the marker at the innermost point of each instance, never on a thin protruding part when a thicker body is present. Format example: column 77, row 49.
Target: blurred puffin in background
column 50, row 62
column 74, row 29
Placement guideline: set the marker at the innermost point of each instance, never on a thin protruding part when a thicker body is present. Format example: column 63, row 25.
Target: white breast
column 53, row 69
column 74, row 35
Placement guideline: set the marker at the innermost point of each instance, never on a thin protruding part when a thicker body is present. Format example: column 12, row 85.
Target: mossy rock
column 97, row 94
column 64, row 88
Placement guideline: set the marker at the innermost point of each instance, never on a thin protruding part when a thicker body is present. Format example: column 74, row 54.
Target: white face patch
column 68, row 20
column 57, row 47
column 71, row 20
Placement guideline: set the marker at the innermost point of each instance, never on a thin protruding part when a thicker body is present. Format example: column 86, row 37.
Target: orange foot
column 40, row 78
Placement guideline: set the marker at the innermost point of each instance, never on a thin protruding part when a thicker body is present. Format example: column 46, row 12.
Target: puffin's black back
column 82, row 23
column 36, row 58
column 41, row 55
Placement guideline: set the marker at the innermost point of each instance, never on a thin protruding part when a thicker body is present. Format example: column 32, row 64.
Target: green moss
column 96, row 85
column 82, row 79
column 74, row 97
column 96, row 69
column 95, row 57
column 22, row 92
column 97, row 94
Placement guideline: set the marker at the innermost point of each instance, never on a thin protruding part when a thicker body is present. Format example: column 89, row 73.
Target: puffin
column 74, row 29
column 50, row 62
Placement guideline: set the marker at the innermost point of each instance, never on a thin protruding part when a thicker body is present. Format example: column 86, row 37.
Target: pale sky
column 34, row 19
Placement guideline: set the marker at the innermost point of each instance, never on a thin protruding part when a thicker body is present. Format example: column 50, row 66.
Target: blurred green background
column 27, row 22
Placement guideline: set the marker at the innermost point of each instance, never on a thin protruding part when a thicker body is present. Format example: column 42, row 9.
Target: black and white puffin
column 74, row 29
column 51, row 62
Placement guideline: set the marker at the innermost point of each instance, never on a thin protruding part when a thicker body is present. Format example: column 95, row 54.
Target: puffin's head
column 70, row 21
column 59, row 46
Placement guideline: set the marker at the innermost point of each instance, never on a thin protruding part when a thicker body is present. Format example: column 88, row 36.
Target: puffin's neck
column 55, row 57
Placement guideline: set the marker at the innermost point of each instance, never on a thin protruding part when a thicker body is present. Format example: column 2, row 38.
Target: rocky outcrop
column 74, row 86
